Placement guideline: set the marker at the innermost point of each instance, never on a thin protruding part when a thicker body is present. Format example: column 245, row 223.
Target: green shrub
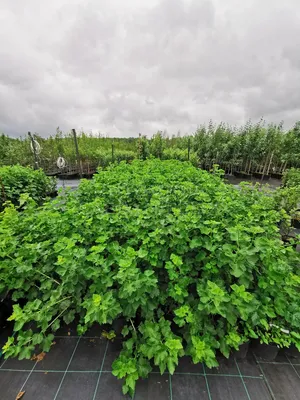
column 288, row 198
column 291, row 178
column 143, row 148
column 179, row 154
column 17, row 180
column 191, row 264
column 124, row 155
column 105, row 157
column 157, row 144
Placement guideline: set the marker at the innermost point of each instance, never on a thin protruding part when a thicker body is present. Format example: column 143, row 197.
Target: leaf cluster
column 17, row 180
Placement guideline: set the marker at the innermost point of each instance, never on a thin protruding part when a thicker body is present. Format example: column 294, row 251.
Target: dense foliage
column 250, row 148
column 291, row 178
column 289, row 193
column 91, row 148
column 288, row 197
column 18, row 180
column 191, row 264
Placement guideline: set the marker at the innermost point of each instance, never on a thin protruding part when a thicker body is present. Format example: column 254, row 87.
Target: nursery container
column 267, row 352
column 258, row 175
column 241, row 174
column 292, row 352
column 118, row 325
column 296, row 223
column 241, row 353
column 287, row 240
column 276, row 175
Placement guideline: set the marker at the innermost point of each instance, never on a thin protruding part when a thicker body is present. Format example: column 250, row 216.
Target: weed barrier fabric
column 237, row 379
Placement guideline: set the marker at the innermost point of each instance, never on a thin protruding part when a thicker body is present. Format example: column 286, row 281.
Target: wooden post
column 140, row 146
column 113, row 152
column 284, row 167
column 267, row 166
column 3, row 190
column 36, row 162
column 271, row 158
column 249, row 167
column 77, row 152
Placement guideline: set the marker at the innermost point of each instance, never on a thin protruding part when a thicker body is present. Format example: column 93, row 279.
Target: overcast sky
column 130, row 66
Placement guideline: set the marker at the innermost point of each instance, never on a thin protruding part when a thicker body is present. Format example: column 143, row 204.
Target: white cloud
column 138, row 66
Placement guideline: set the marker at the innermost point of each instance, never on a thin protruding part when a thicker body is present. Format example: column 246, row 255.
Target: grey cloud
column 138, row 66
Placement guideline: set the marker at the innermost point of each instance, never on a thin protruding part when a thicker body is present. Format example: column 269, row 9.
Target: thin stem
column 57, row 317
column 132, row 324
column 28, row 341
column 49, row 277
column 59, row 301
column 42, row 273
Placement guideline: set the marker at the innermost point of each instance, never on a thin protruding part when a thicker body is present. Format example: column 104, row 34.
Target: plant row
column 249, row 148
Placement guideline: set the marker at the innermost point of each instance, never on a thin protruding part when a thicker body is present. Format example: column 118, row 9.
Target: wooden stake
column 113, row 152
column 77, row 152
column 36, row 162
column 271, row 158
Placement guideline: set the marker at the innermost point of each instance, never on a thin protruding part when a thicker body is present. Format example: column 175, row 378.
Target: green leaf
column 96, row 300
column 171, row 366
column 47, row 342
column 25, row 353
column 142, row 253
column 237, row 269
column 177, row 260
column 174, row 344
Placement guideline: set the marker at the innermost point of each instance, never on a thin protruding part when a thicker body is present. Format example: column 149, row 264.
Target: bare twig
column 132, row 324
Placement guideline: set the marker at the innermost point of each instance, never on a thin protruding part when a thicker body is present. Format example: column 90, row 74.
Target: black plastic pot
column 241, row 353
column 3, row 316
column 276, row 175
column 52, row 194
column 296, row 223
column 243, row 175
column 267, row 352
column 118, row 325
column 5, row 310
column 287, row 240
column 260, row 176
column 292, row 352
